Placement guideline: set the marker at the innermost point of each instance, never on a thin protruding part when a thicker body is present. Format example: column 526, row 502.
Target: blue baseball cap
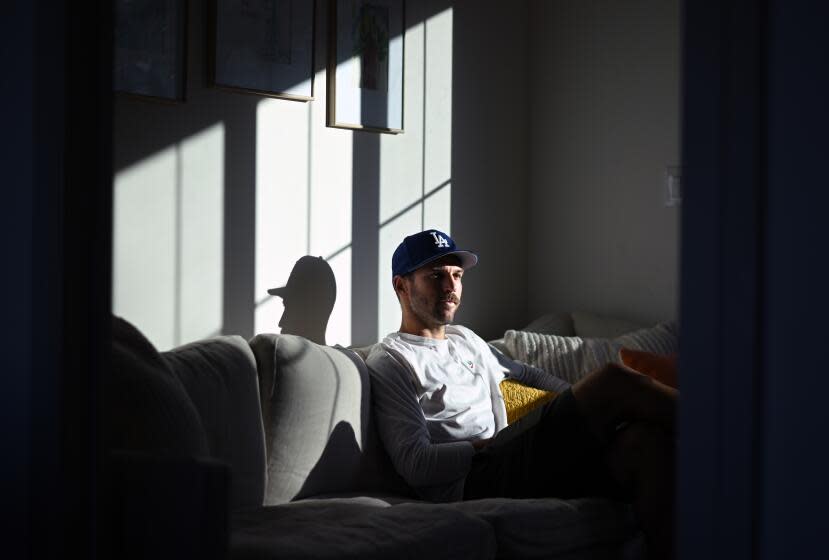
column 424, row 247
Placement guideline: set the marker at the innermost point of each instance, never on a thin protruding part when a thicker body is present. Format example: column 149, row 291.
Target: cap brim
column 281, row 291
column 468, row 259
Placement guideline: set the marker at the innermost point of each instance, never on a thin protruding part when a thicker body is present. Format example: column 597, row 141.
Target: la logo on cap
column 440, row 241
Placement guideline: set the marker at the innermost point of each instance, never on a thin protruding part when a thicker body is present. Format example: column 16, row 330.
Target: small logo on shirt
column 469, row 364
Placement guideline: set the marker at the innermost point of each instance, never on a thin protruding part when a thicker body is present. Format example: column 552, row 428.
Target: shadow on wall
column 216, row 198
column 308, row 298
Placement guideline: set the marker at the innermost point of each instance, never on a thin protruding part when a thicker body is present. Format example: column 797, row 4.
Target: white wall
column 491, row 160
column 216, row 198
column 604, row 99
column 536, row 133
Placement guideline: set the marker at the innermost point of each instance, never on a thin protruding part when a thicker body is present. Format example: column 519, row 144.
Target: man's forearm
column 530, row 375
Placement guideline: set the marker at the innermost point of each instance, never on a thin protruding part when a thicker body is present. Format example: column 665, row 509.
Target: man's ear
column 399, row 284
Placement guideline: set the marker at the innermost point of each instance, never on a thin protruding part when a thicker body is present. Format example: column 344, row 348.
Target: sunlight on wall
column 282, row 187
column 202, row 234
column 416, row 191
column 168, row 269
column 401, row 156
column 331, row 210
column 144, row 246
column 303, row 204
column 168, row 241
column 437, row 147
column 437, row 211
column 339, row 325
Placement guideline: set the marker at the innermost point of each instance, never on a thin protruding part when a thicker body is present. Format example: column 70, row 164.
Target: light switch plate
column 673, row 185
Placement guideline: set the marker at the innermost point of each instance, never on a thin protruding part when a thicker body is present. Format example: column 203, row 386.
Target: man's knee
column 608, row 386
column 620, row 385
column 612, row 379
column 623, row 377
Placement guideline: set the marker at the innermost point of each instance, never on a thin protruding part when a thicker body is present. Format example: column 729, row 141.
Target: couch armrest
column 167, row 507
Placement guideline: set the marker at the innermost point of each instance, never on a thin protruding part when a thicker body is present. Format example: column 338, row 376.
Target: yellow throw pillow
column 520, row 399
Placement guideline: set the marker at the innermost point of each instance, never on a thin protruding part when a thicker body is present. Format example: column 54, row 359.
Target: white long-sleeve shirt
column 432, row 398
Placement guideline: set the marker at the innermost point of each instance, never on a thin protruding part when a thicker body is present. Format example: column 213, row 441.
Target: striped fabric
column 572, row 357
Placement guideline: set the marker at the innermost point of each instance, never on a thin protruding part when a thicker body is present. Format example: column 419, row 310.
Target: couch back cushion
column 572, row 357
column 147, row 408
column 318, row 427
column 220, row 377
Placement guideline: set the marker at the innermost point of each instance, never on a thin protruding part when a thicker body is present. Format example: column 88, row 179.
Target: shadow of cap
column 311, row 277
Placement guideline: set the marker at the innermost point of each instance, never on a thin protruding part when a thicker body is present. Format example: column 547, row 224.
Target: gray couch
column 282, row 460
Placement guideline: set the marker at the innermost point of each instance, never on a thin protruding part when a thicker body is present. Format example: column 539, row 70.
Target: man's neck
column 438, row 332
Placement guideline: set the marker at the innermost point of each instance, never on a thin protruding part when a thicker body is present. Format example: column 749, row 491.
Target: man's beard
column 435, row 316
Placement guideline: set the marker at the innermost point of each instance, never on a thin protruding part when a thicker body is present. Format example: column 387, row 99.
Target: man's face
column 433, row 292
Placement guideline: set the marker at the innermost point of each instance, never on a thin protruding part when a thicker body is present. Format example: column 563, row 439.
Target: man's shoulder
column 377, row 354
column 386, row 356
column 381, row 349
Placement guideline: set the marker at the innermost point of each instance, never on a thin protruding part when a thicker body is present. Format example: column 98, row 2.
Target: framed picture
column 150, row 48
column 365, row 65
column 264, row 47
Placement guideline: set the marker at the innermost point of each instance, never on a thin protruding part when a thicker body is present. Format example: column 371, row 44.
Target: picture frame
column 366, row 47
column 150, row 49
column 264, row 47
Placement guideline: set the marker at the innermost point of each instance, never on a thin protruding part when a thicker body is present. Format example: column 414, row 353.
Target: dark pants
column 550, row 452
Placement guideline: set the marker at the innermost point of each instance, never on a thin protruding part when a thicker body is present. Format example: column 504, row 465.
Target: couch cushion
column 359, row 529
column 319, row 432
column 572, row 357
column 553, row 528
column 219, row 375
column 146, row 406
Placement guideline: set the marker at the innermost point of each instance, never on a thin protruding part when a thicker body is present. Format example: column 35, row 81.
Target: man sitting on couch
column 441, row 415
